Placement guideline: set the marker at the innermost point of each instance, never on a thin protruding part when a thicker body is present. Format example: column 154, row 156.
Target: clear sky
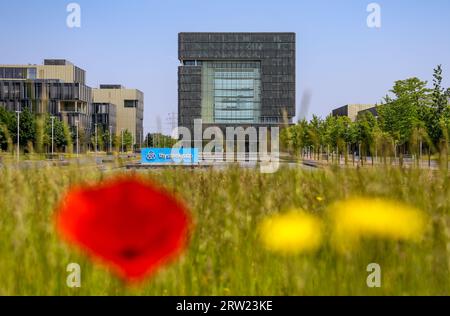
column 134, row 42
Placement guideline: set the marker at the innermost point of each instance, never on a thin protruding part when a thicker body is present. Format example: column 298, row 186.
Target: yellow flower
column 368, row 217
column 291, row 233
column 319, row 198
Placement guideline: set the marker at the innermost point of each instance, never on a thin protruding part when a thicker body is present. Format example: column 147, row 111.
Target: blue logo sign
column 169, row 156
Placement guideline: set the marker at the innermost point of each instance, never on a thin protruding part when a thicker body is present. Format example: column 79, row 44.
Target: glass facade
column 13, row 73
column 17, row 73
column 104, row 115
column 231, row 92
column 32, row 73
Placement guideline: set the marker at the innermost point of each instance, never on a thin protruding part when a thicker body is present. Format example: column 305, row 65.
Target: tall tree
column 398, row 115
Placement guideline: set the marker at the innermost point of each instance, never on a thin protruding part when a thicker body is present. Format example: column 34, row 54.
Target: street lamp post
column 78, row 145
column 376, row 151
column 359, row 154
column 95, row 138
column 121, row 133
column 18, row 135
column 110, row 138
column 53, row 120
column 395, row 152
column 420, row 153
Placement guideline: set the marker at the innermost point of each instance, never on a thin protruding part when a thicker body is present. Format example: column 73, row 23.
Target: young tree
column 438, row 108
column 68, row 137
column 59, row 137
column 127, row 140
column 315, row 133
column 97, row 138
column 366, row 125
column 40, row 133
column 27, row 127
column 6, row 126
column 106, row 140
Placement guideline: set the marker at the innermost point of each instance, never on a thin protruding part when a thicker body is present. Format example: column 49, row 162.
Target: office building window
column 13, row 73
column 130, row 103
column 231, row 92
column 31, row 73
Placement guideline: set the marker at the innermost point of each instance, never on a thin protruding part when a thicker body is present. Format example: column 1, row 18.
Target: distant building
column 352, row 110
column 129, row 108
column 236, row 79
column 57, row 87
column 372, row 110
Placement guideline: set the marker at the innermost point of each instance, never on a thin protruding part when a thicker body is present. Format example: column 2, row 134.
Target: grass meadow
column 225, row 255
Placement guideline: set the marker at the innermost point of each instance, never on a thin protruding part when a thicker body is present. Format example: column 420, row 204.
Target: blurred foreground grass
column 225, row 256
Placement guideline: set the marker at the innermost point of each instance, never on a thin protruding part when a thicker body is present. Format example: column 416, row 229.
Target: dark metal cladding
column 275, row 52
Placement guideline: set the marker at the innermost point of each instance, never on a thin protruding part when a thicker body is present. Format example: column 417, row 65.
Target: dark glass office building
column 236, row 79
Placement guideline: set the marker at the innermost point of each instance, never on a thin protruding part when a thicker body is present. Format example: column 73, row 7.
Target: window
column 5, row 90
column 31, row 73
column 231, row 92
column 130, row 103
column 8, row 73
column 13, row 73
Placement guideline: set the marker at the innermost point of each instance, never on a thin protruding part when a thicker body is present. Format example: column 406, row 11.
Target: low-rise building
column 352, row 110
column 129, row 108
column 57, row 87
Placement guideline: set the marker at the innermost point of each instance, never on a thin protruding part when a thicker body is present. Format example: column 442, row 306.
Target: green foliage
column 98, row 138
column 158, row 140
column 438, row 113
column 60, row 139
column 411, row 115
column 296, row 137
column 225, row 255
column 401, row 114
column 68, row 137
column 40, row 133
column 105, row 138
column 367, row 127
column 6, row 127
column 125, row 141
column 27, row 127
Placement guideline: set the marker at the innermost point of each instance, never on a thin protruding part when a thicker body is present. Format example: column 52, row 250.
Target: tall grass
column 225, row 256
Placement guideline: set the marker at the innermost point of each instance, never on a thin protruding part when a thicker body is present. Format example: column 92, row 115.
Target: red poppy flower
column 129, row 223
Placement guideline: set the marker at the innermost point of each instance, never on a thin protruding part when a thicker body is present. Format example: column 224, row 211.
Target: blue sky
column 339, row 59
